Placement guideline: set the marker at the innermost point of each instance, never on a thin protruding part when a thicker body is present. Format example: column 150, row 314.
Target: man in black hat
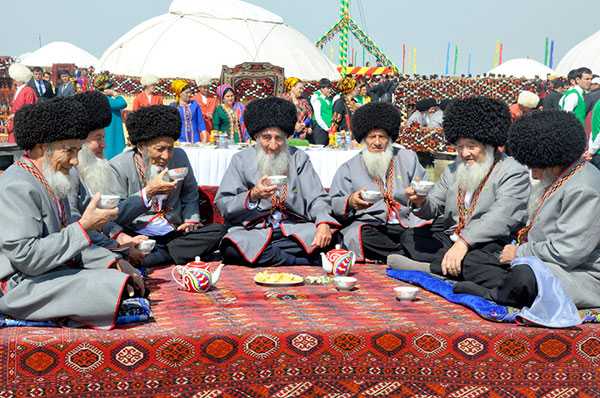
column 48, row 261
column 272, row 197
column 428, row 114
column 322, row 105
column 482, row 198
column 172, row 214
column 94, row 174
column 374, row 225
column 564, row 208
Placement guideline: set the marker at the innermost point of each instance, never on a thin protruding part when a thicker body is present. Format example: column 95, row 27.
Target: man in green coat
column 572, row 100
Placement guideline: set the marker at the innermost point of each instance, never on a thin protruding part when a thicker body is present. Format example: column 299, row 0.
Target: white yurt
column 522, row 67
column 586, row 53
column 59, row 52
column 197, row 37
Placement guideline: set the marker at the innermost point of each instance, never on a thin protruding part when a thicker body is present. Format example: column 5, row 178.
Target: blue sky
column 428, row 26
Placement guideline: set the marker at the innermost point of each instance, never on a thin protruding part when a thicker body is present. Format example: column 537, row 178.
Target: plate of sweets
column 267, row 278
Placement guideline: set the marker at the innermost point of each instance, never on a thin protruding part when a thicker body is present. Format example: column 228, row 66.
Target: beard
column 152, row 170
column 60, row 183
column 377, row 163
column 269, row 164
column 95, row 172
column 468, row 177
column 537, row 190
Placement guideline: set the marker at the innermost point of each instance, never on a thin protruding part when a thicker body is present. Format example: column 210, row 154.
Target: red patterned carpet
column 243, row 340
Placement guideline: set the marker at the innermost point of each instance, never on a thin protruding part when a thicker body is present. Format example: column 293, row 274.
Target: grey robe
column 133, row 213
column 56, row 273
column 352, row 176
column 566, row 236
column 79, row 197
column 306, row 200
column 500, row 211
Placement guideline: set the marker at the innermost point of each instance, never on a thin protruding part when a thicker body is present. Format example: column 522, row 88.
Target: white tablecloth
column 209, row 164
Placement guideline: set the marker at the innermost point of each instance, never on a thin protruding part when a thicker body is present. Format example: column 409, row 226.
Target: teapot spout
column 216, row 275
column 327, row 267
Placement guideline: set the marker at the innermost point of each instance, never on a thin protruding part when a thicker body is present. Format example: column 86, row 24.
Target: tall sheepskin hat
column 376, row 115
column 528, row 99
column 478, row 118
column 426, row 103
column 97, row 109
column 148, row 80
column 270, row 112
column 19, row 73
column 152, row 122
column 49, row 121
column 547, row 139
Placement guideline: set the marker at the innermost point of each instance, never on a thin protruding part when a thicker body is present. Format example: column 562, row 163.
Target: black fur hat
column 376, row 115
column 270, row 112
column 49, row 121
column 547, row 139
column 97, row 108
column 479, row 118
column 426, row 103
column 153, row 121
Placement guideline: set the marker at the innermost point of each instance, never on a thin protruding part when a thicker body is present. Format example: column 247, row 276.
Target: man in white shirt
column 572, row 100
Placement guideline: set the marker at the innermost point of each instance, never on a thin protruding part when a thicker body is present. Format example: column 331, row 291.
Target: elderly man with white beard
column 172, row 217
column 482, row 198
column 54, row 271
column 373, row 229
column 94, row 175
column 273, row 224
column 563, row 230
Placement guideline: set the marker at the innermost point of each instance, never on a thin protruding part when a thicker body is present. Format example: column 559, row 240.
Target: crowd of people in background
column 321, row 113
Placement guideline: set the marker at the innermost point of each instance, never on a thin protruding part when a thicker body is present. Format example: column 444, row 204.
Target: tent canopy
column 586, row 53
column 522, row 67
column 196, row 38
column 59, row 52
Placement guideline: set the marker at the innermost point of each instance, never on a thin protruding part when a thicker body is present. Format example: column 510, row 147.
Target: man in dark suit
column 66, row 88
column 42, row 88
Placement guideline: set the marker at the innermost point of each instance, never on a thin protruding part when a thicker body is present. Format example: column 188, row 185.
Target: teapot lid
column 196, row 261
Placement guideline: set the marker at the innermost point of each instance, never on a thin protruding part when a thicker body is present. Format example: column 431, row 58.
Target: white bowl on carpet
column 408, row 293
column 345, row 282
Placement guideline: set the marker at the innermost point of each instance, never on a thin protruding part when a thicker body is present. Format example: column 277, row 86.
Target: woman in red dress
column 24, row 95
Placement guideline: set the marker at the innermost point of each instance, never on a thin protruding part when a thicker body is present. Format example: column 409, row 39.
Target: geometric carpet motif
column 318, row 342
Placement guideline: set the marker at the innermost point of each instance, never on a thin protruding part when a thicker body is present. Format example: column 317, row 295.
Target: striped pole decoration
column 344, row 17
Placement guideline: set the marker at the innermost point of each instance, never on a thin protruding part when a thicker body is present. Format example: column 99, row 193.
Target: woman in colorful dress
column 344, row 107
column 193, row 128
column 114, row 136
column 294, row 88
column 229, row 115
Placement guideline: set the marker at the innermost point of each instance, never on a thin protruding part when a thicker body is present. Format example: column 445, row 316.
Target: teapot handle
column 176, row 274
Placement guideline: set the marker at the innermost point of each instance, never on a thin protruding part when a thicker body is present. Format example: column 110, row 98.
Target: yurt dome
column 586, row 53
column 58, row 52
column 197, row 37
column 522, row 67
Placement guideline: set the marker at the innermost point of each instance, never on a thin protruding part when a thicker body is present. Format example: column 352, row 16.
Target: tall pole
column 551, row 63
column 447, row 67
column 469, row 65
column 414, row 60
column 455, row 58
column 500, row 50
column 546, row 58
column 344, row 17
column 403, row 56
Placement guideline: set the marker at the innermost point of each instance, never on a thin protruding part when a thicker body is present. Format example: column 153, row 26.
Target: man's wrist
column 253, row 195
